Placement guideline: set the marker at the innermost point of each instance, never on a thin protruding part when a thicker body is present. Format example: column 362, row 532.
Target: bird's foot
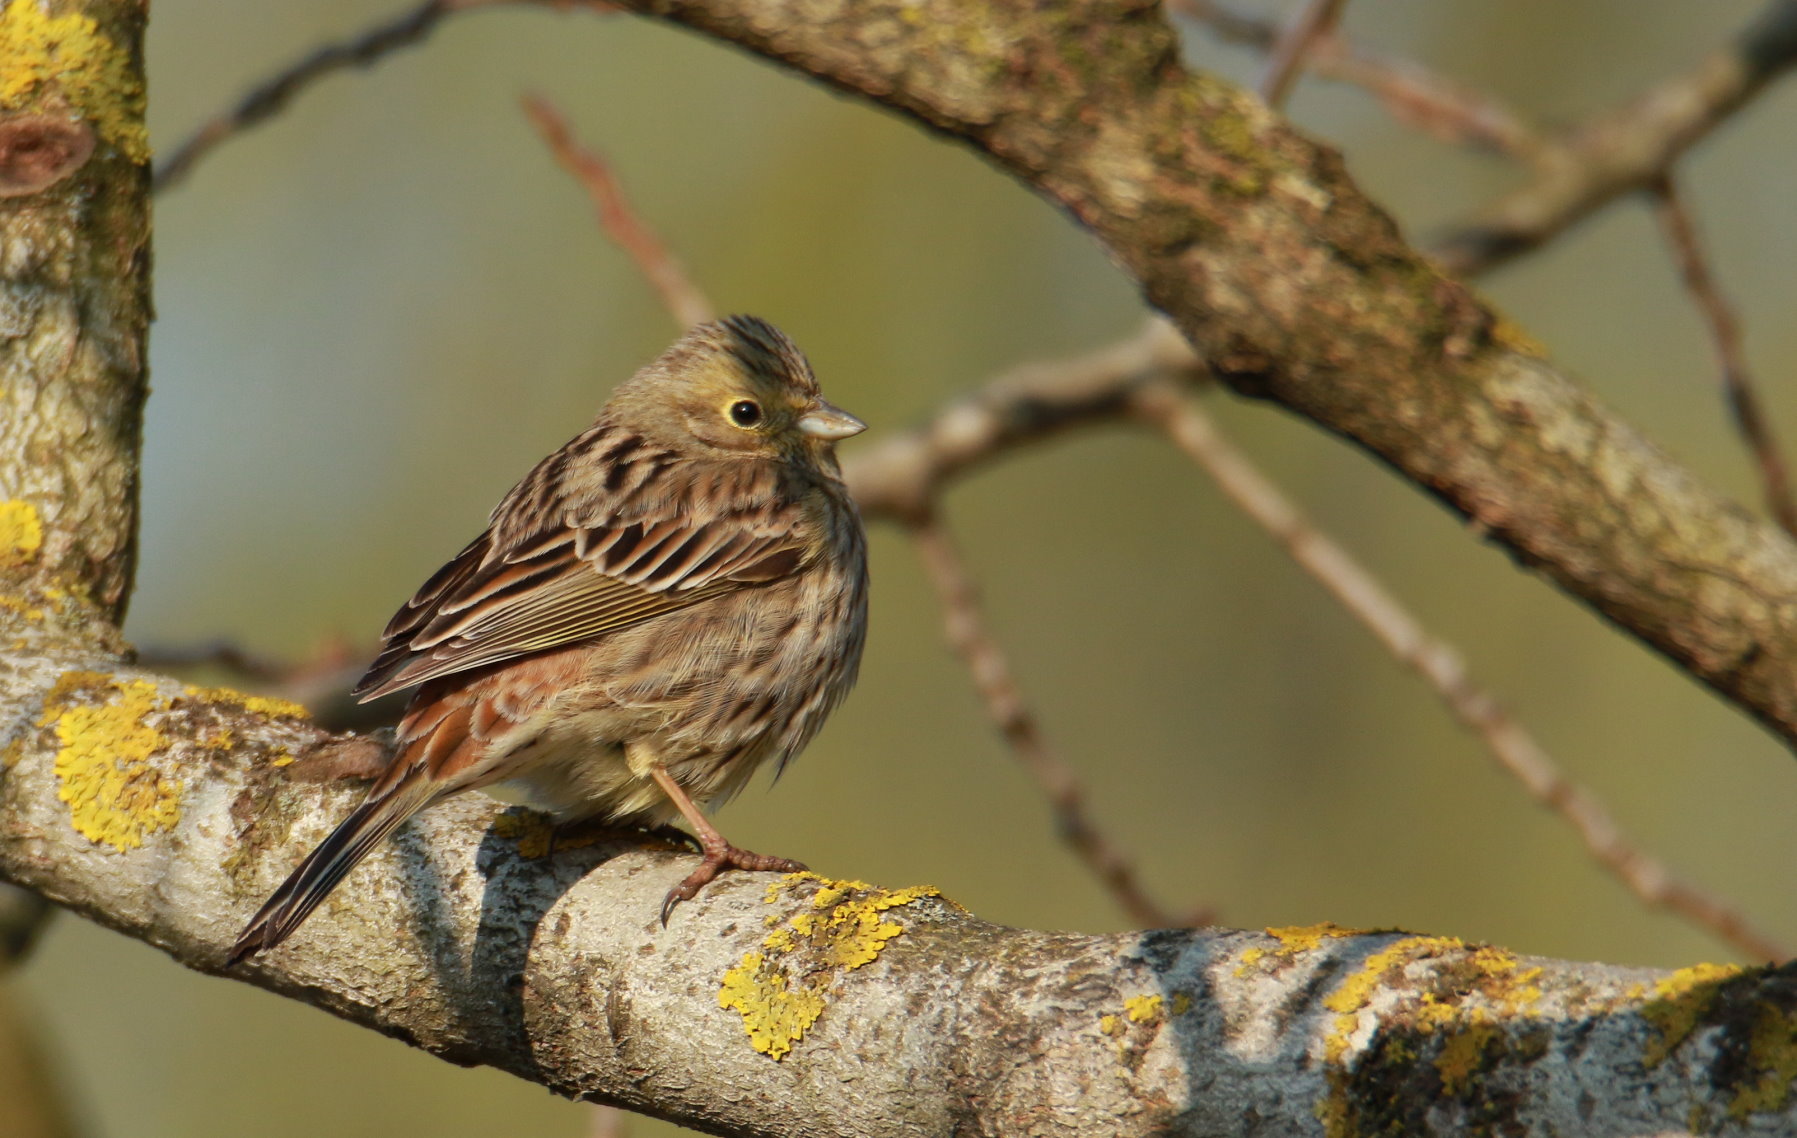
column 718, row 858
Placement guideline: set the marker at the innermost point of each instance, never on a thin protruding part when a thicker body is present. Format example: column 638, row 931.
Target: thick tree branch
column 766, row 997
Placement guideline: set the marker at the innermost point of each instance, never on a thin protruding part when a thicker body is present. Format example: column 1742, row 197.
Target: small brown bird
column 676, row 596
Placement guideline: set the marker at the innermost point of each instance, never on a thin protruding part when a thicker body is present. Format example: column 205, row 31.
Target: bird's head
column 736, row 387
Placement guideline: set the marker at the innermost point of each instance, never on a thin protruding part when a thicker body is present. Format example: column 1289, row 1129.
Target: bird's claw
column 718, row 860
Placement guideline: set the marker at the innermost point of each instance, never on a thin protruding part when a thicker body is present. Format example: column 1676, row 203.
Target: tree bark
column 800, row 1006
column 797, row 1006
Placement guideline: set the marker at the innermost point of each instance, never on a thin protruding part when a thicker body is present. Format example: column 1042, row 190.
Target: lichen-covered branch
column 803, row 1006
column 74, row 304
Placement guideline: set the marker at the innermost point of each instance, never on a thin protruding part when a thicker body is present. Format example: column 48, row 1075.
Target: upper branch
column 74, row 304
column 1294, row 287
column 1628, row 149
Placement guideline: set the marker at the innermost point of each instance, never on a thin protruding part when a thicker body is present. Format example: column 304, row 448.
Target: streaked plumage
column 671, row 599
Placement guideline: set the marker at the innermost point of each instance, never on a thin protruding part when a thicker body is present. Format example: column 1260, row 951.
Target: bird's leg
column 719, row 854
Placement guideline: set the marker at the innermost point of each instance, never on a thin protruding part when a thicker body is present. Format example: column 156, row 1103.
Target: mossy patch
column 1450, row 1022
column 1772, row 1055
column 68, row 54
column 1680, row 1003
column 781, row 991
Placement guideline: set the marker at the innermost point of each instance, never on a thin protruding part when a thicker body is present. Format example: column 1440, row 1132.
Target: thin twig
column 1675, row 220
column 271, row 96
column 1515, row 750
column 606, row 1122
column 1441, row 107
column 23, row 917
column 898, row 476
column 1627, row 149
column 1286, row 62
column 619, row 220
column 991, row 672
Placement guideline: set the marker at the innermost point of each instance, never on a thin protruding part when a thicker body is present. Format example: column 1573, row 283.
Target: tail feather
column 353, row 839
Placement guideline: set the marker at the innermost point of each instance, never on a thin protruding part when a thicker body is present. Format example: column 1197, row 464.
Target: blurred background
column 378, row 311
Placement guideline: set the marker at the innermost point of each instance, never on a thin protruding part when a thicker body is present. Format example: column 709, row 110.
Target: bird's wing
column 557, row 584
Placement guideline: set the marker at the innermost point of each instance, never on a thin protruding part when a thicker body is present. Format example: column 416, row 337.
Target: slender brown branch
column 606, row 1121
column 1317, row 19
column 897, row 477
column 1627, row 149
column 271, row 96
column 1674, row 216
column 991, row 671
column 1516, row 752
column 619, row 219
column 1411, row 92
column 23, row 917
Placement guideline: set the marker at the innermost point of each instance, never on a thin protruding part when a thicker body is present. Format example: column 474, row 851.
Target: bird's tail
column 325, row 866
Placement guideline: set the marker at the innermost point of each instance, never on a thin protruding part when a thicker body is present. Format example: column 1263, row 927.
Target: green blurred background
column 378, row 311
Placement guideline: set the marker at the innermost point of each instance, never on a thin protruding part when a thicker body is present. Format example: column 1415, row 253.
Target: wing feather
column 538, row 579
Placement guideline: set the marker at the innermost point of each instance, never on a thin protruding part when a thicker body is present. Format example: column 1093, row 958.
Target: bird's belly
column 575, row 768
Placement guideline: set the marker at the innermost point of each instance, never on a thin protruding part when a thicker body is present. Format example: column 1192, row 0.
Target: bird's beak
column 826, row 422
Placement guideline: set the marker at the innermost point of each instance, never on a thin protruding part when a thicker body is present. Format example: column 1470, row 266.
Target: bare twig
column 991, row 671
column 1441, row 107
column 271, row 96
column 1514, row 749
column 619, row 220
column 1317, row 19
column 606, row 1121
column 897, row 477
column 1627, row 149
column 1675, row 220
column 23, row 915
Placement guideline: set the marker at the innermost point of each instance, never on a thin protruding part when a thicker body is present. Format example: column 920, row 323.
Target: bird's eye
column 745, row 412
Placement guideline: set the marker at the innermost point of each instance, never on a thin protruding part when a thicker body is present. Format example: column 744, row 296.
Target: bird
column 672, row 599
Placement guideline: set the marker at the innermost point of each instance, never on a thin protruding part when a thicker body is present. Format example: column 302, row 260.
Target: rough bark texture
column 797, row 1006
column 806, row 1007
column 74, row 300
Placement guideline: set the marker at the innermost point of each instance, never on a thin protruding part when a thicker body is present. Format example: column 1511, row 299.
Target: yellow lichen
column 1293, row 939
column 1110, row 1025
column 1772, row 1053
column 1182, row 1003
column 775, row 1014
column 115, row 796
column 270, row 706
column 1357, row 991
column 21, row 531
column 1463, row 1050
column 1679, row 1003
column 23, row 608
column 781, row 992
column 69, row 53
column 1142, row 1009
